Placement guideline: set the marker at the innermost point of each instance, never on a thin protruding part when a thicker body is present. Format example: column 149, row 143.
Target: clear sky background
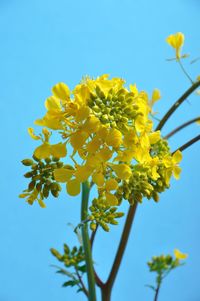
column 44, row 42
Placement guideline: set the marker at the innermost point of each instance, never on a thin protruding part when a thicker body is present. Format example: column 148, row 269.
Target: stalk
column 86, row 242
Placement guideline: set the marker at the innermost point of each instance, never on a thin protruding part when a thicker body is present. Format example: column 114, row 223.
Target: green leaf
column 151, row 286
column 82, row 268
column 70, row 283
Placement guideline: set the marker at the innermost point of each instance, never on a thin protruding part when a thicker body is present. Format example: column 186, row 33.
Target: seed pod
column 27, row 162
column 31, row 186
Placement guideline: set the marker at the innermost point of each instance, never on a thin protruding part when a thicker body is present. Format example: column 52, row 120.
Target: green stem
column 157, row 292
column 188, row 144
column 177, row 104
column 86, row 242
column 184, row 71
column 182, row 126
column 107, row 287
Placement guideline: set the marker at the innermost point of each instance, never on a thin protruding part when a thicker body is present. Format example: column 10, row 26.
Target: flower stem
column 157, row 292
column 188, row 144
column 107, row 287
column 86, row 242
column 182, row 126
column 177, row 104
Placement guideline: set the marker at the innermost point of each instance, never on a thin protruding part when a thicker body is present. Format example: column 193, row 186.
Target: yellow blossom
column 176, row 41
column 179, row 255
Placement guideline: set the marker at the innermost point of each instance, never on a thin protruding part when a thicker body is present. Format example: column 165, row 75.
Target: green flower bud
column 27, row 162
column 55, row 253
column 55, row 193
column 28, row 174
column 45, row 191
column 93, row 226
column 39, row 186
column 47, row 160
column 66, row 249
column 31, row 186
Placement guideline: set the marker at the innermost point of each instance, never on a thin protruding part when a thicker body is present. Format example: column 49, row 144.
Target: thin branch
column 93, row 236
column 81, row 283
column 182, row 126
column 157, row 292
column 188, row 144
column 177, row 104
column 98, row 281
column 121, row 248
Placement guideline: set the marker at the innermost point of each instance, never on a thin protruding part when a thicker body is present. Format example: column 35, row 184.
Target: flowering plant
column 107, row 142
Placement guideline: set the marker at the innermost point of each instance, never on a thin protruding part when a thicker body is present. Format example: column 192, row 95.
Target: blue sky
column 44, row 42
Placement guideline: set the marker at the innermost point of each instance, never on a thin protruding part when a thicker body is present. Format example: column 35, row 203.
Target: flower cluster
column 106, row 126
column 164, row 264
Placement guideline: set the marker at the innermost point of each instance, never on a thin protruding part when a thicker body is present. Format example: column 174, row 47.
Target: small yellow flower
column 176, row 41
column 180, row 255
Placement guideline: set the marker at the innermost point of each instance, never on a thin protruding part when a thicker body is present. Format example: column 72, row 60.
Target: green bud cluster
column 103, row 215
column 71, row 257
column 138, row 186
column 160, row 148
column 42, row 181
column 162, row 265
column 116, row 109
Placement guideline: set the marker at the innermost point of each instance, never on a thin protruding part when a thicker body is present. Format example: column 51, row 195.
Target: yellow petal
column 111, row 199
column 114, row 138
column 176, row 172
column 82, row 113
column 59, row 150
column 32, row 134
column 78, row 139
column 73, row 187
column 53, row 104
column 93, row 145
column 43, row 151
column 63, row 174
column 177, row 156
column 180, row 255
column 123, row 171
column 111, row 184
column 82, row 173
column 98, row 179
column 154, row 137
column 61, row 91
column 92, row 124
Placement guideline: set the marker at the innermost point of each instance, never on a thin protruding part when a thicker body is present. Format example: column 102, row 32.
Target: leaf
column 79, row 290
column 82, row 268
column 151, row 286
column 70, row 283
column 63, row 271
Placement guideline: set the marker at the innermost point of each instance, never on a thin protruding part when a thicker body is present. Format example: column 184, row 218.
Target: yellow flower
column 123, row 171
column 73, row 187
column 176, row 41
column 114, row 138
column 178, row 255
column 61, row 91
column 46, row 150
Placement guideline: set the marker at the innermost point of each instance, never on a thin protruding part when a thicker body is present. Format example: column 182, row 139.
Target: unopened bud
column 27, row 162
